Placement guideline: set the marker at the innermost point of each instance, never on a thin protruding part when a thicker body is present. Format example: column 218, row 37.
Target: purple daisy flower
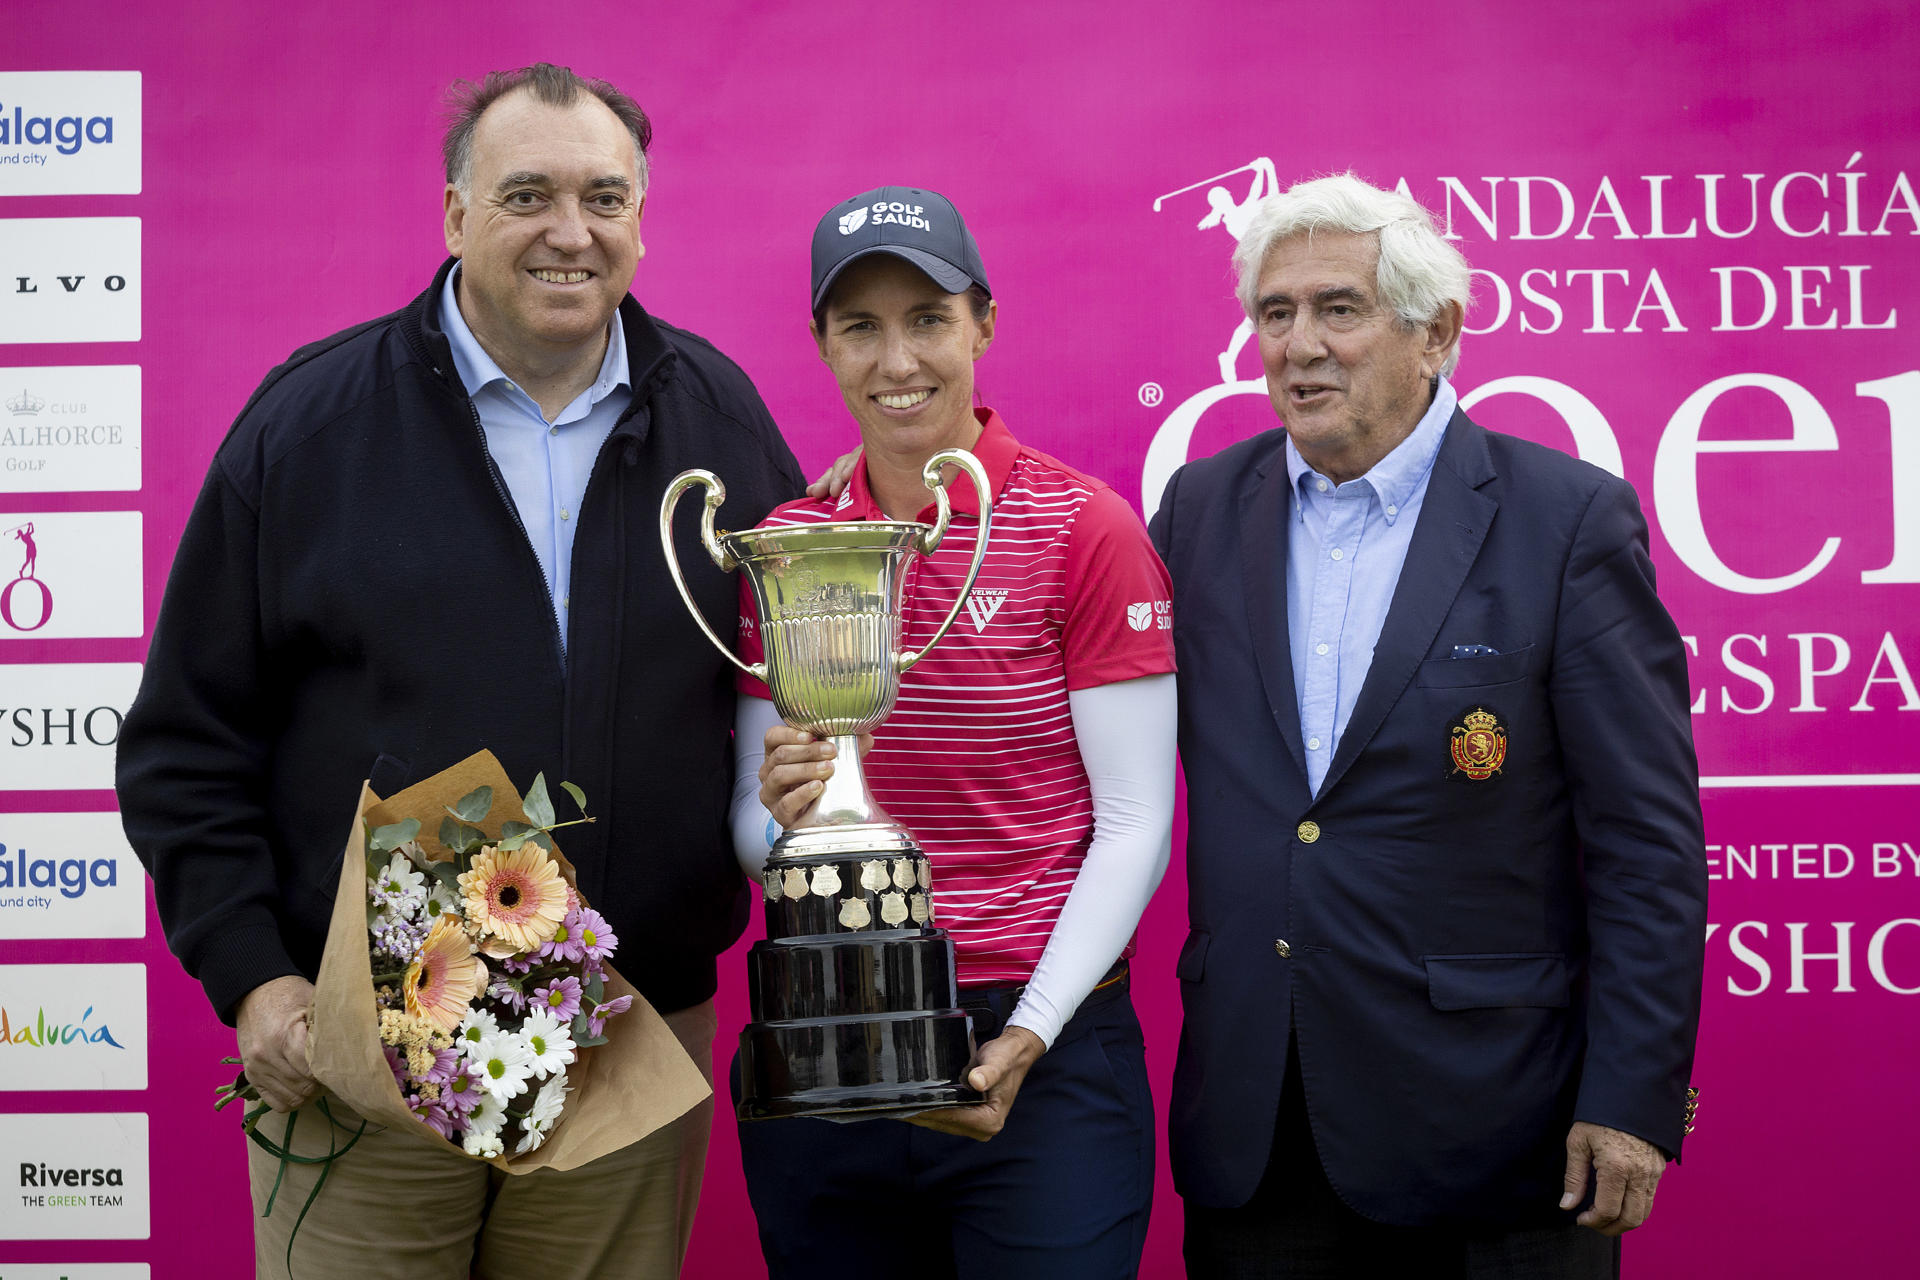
column 431, row 1114
column 560, row 997
column 596, row 938
column 445, row 1063
column 518, row 965
column 461, row 1094
column 509, row 995
column 597, row 1017
column 566, row 944
column 396, row 1064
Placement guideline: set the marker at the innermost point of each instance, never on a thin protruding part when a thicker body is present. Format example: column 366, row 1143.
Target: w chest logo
column 983, row 603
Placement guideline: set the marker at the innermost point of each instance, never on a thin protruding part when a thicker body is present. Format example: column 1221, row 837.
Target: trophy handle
column 932, row 538
column 716, row 494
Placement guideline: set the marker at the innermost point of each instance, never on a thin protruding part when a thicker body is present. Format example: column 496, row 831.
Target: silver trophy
column 853, row 991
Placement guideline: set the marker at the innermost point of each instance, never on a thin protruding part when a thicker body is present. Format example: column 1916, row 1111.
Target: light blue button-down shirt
column 1345, row 546
column 545, row 464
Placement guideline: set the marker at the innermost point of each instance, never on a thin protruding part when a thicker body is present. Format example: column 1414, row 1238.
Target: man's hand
column 273, row 1041
column 835, row 479
column 795, row 771
column 997, row 1072
column 1629, row 1170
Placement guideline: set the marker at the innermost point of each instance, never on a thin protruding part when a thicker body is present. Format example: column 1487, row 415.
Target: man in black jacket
column 381, row 576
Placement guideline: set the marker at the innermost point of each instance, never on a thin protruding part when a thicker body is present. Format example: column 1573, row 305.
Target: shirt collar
column 996, row 450
column 1396, row 478
column 477, row 369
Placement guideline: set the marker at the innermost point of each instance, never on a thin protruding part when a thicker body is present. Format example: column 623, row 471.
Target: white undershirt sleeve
column 1127, row 737
column 754, row 829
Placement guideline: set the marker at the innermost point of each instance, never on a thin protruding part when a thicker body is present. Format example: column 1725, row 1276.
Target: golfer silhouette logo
column 1175, row 434
column 12, row 599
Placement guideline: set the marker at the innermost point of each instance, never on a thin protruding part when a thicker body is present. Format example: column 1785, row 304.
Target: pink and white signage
column 1696, row 237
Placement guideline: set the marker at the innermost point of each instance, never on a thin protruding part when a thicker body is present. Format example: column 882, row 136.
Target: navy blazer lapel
column 1454, row 521
column 1264, row 510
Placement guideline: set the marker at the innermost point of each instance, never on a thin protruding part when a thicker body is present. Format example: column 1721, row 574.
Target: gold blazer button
column 1308, row 831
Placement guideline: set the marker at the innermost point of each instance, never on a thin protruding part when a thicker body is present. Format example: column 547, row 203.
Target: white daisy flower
column 505, row 1064
column 402, row 884
column 544, row 1114
column 478, row 1025
column 549, row 1041
column 487, row 1116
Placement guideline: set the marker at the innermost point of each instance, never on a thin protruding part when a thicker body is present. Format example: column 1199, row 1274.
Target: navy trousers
column 1061, row 1193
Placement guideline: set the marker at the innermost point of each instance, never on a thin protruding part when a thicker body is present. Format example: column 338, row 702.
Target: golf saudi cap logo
column 852, row 222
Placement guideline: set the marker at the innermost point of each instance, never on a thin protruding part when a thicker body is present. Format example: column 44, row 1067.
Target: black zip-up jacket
column 354, row 597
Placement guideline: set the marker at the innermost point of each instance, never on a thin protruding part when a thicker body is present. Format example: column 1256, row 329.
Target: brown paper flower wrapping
column 623, row 1090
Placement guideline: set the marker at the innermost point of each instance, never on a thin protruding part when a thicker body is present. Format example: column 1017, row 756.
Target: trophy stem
column 846, row 799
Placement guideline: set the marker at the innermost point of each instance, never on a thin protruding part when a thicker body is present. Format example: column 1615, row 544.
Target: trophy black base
column 854, row 1023
column 855, row 1065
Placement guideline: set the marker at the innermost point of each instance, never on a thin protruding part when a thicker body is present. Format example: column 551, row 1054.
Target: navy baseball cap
column 920, row 226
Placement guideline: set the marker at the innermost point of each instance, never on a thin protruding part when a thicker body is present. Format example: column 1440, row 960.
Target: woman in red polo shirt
column 1031, row 753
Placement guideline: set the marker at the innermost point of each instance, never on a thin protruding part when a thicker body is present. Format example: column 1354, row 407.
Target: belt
column 992, row 1006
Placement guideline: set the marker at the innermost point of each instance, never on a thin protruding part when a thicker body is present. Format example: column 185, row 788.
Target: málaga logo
column 65, row 134
column 852, row 222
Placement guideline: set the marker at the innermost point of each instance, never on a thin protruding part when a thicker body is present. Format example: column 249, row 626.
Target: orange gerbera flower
column 444, row 978
column 517, row 897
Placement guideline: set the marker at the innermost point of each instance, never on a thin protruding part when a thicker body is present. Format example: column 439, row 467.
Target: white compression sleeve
column 1126, row 732
column 754, row 830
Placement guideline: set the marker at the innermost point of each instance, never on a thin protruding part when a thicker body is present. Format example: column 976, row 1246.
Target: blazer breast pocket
column 1468, row 673
column 1526, row 981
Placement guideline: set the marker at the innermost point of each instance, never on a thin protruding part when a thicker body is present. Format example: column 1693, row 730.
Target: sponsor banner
column 76, row 1271
column 74, row 1177
column 69, row 133
column 69, row 875
column 70, row 575
column 59, row 722
column 70, row 428
column 73, row 1026
column 69, row 280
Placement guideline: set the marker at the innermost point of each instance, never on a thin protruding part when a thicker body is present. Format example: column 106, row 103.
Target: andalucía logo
column 40, row 1033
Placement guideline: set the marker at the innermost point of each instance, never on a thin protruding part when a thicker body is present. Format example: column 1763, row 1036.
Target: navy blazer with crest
column 1471, row 958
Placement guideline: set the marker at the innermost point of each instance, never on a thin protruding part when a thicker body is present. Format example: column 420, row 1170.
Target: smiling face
column 1346, row 377
column 902, row 349
column 549, row 233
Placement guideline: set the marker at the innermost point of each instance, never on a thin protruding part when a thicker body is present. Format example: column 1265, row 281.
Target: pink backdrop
column 290, row 189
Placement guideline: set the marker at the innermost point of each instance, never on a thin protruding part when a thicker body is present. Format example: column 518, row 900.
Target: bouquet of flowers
column 466, row 993
column 494, row 971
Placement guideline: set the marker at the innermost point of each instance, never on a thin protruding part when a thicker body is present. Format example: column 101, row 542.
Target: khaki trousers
column 398, row 1207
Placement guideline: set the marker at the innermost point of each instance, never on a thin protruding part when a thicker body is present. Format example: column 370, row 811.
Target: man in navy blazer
column 1445, row 854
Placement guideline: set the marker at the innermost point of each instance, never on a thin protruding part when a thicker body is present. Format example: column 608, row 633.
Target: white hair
column 1418, row 273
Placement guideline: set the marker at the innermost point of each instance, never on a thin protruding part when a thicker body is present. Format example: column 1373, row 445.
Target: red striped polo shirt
column 978, row 758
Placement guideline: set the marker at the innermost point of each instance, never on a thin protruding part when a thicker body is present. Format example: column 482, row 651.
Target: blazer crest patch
column 1479, row 744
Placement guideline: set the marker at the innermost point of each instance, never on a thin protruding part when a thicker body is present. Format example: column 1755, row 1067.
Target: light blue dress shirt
column 546, row 464
column 1345, row 546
